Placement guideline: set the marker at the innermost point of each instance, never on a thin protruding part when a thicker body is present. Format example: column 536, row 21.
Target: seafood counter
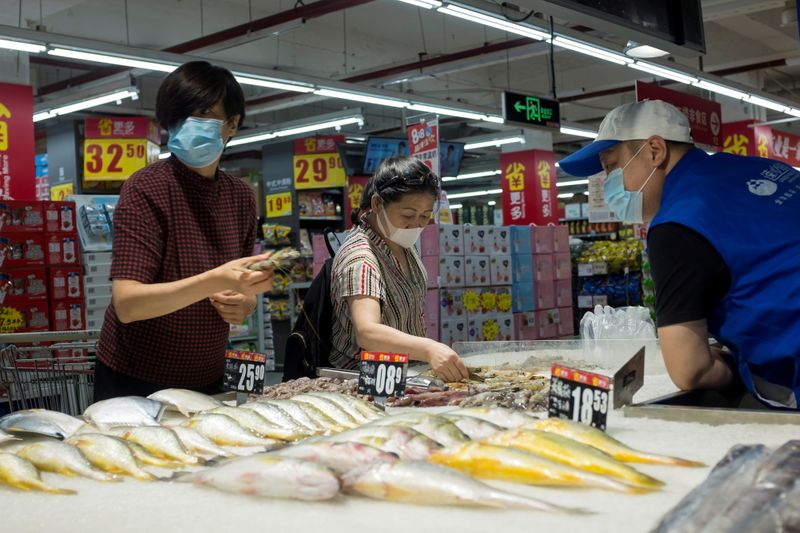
column 311, row 455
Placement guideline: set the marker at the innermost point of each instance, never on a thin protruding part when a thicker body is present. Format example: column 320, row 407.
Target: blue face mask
column 197, row 142
column 626, row 205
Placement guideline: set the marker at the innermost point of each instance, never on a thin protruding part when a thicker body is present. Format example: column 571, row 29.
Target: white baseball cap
column 629, row 122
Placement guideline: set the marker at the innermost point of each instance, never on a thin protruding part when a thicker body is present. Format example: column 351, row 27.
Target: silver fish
column 62, row 458
column 161, row 442
column 21, row 474
column 356, row 407
column 225, row 431
column 406, row 443
column 275, row 415
column 299, row 414
column 6, row 437
column 342, row 417
column 149, row 459
column 109, row 454
column 507, row 418
column 474, row 428
column 198, row 444
column 270, row 476
column 341, row 457
column 426, row 484
column 187, row 402
column 124, row 411
column 259, row 425
column 41, row 422
column 432, row 426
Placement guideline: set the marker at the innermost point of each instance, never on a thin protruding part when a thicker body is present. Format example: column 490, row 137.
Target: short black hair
column 396, row 177
column 194, row 86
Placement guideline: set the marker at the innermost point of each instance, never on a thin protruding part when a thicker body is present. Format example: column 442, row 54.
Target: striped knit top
column 365, row 266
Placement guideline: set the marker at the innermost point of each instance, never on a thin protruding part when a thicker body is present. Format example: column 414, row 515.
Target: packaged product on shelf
column 21, row 216
column 520, row 237
column 502, row 299
column 543, row 267
column 432, row 329
column 525, row 326
column 59, row 216
column 522, row 268
column 66, row 282
column 563, row 293
column 476, row 271
column 501, row 239
column 442, row 239
column 451, row 303
column 478, row 239
column 562, row 266
column 62, row 249
column 453, row 330
column 280, row 282
column 27, row 283
column 506, row 323
column 549, row 320
column 95, row 217
column 451, row 271
column 306, row 249
column 483, row 329
column 572, row 210
column 545, row 294
column 488, row 301
column 566, row 326
column 542, row 239
column 472, row 301
column 277, row 234
column 522, row 297
column 22, row 250
column 432, row 305
column 279, row 308
column 23, row 315
column 561, row 239
column 68, row 315
column 500, row 268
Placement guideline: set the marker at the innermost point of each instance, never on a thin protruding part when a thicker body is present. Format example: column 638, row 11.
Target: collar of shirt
column 201, row 183
column 381, row 244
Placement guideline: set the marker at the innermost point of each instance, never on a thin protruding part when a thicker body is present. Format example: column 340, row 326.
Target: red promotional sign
column 423, row 140
column 785, row 147
column 705, row 116
column 321, row 144
column 529, row 187
column 122, row 128
column 17, row 172
column 355, row 189
column 742, row 138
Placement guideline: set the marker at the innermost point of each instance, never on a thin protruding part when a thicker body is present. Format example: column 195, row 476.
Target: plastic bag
column 621, row 323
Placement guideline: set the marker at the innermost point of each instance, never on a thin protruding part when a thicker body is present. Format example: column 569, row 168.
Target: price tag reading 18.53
column 579, row 396
column 244, row 371
column 382, row 374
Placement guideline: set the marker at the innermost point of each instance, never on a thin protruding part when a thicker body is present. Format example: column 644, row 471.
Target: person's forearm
column 134, row 301
column 716, row 374
column 373, row 337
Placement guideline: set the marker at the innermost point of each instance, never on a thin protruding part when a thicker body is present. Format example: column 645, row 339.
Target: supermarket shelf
column 300, row 285
column 312, row 219
column 243, row 338
column 612, row 234
column 577, row 219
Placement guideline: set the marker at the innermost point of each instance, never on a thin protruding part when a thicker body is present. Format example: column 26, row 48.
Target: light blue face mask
column 626, row 205
column 197, row 142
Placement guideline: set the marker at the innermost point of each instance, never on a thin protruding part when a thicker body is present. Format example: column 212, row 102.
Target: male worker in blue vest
column 724, row 247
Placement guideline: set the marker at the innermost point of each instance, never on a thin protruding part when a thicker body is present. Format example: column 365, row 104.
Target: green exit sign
column 531, row 110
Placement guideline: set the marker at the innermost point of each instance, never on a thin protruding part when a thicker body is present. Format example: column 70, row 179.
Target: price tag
column 585, row 301
column 585, row 270
column 600, row 269
column 116, row 159
column 600, row 299
column 317, row 171
column 59, row 193
column 244, row 371
column 382, row 374
column 279, row 204
column 579, row 396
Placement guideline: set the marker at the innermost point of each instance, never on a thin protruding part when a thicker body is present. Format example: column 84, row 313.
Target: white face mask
column 405, row 237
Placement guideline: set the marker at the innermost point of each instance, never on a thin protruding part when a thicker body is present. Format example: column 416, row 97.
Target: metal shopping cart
column 48, row 370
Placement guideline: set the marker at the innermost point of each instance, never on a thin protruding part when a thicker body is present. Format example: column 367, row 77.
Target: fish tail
column 56, row 490
column 653, row 459
column 38, row 485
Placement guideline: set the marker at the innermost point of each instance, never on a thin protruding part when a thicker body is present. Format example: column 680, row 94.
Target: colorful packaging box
column 432, row 328
column 502, row 299
column 501, row 236
column 525, row 327
column 59, row 217
column 522, row 297
column 66, row 283
column 545, row 292
column 477, row 271
column 561, row 239
column 522, row 268
column 500, row 267
column 542, row 239
column 451, row 304
column 431, row 264
column 506, row 323
column 562, row 266
column 451, row 331
column 478, row 240
column 68, row 315
column 442, row 239
column 543, row 267
column 23, row 283
column 520, row 237
column 24, row 315
column 62, row 249
column 451, row 271
column 432, row 306
column 22, row 250
column 564, row 293
column 20, row 216
column 566, row 326
column 548, row 320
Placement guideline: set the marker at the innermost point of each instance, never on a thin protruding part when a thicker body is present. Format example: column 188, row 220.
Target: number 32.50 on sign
column 318, row 171
column 115, row 159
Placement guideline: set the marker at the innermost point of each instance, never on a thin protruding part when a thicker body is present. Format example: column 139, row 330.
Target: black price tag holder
column 244, row 373
column 579, row 396
column 382, row 374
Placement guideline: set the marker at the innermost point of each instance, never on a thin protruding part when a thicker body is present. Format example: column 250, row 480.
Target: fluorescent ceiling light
column 456, row 206
column 793, row 112
column 589, row 50
column 492, row 202
column 567, row 130
column 427, row 4
column 568, row 194
column 357, row 97
column 258, row 137
column 495, row 118
column 447, row 111
column 20, row 46
column 494, row 22
column 269, row 84
column 473, row 175
column 662, row 72
column 44, row 115
column 571, row 183
column 471, row 194
column 634, row 49
column 133, row 94
column 113, row 60
column 769, row 104
column 721, row 89
column 164, row 155
column 494, row 142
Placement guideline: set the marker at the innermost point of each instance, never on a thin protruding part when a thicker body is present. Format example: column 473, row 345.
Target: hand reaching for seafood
column 233, row 307
column 237, row 277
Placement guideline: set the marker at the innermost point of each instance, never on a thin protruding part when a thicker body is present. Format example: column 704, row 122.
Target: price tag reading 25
column 579, row 396
column 244, row 371
column 382, row 374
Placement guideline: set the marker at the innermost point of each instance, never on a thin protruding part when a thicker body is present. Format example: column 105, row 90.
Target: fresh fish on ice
column 474, row 428
column 299, row 414
column 332, row 410
column 149, row 459
column 124, row 411
column 594, row 437
column 422, row 483
column 198, row 444
column 259, row 425
column 356, row 407
column 6, row 437
column 277, row 416
column 432, row 426
column 225, row 431
column 501, row 416
column 109, row 454
column 187, row 402
column 21, row 474
column 41, row 422
column 341, row 457
column 487, row 461
column 62, row 458
column 161, row 442
column 406, row 443
column 731, row 478
column 270, row 476
column 570, row 452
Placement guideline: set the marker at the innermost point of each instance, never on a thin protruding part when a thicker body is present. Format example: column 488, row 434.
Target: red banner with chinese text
column 423, row 141
column 529, row 187
column 122, row 128
column 742, row 138
column 17, row 168
column 705, row 116
column 355, row 189
column 319, row 144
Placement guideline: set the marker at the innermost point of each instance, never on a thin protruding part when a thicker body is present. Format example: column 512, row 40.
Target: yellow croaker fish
column 594, row 437
column 432, row 426
column 332, row 410
column 570, row 452
column 259, row 425
column 62, row 458
column 109, row 454
column 199, row 445
column 161, row 442
column 296, row 412
column 186, row 402
column 488, row 461
column 21, row 474
column 149, row 459
column 355, row 406
column 225, row 431
column 426, row 484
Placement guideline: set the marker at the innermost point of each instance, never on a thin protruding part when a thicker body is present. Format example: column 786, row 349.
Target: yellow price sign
column 279, row 204
column 11, row 320
column 318, row 171
column 115, row 159
column 59, row 193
